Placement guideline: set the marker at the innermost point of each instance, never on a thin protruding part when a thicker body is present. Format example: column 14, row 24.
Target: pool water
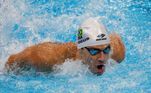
column 27, row 22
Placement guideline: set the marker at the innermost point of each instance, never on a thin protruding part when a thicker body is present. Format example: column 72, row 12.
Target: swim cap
column 91, row 33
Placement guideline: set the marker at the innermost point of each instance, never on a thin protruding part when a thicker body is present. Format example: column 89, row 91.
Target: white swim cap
column 91, row 33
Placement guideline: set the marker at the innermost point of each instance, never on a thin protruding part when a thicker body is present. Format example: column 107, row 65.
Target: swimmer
column 93, row 47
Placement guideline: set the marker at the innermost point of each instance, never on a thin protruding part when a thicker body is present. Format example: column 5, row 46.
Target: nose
column 101, row 58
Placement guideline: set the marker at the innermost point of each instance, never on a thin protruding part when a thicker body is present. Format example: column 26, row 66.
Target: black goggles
column 94, row 51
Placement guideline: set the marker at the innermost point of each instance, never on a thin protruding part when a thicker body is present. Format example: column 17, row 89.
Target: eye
column 93, row 51
column 107, row 50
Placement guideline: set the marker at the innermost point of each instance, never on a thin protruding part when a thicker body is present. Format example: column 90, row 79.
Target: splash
column 72, row 68
column 27, row 22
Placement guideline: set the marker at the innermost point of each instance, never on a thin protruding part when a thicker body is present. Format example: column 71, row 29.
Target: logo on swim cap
column 80, row 33
column 101, row 37
column 92, row 33
column 81, row 36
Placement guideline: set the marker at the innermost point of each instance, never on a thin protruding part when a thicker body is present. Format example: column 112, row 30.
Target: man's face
column 96, row 57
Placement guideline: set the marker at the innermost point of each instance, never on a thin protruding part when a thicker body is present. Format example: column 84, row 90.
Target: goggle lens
column 94, row 51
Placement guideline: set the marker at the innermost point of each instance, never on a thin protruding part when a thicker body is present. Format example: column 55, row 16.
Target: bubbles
column 111, row 65
column 72, row 68
column 27, row 22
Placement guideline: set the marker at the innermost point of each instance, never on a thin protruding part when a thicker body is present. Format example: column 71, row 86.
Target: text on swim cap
column 83, row 40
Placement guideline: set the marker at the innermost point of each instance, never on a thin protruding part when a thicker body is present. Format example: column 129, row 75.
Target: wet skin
column 96, row 62
column 44, row 56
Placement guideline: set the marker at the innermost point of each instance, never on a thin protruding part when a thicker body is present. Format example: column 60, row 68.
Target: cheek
column 93, row 59
column 106, row 57
column 90, row 61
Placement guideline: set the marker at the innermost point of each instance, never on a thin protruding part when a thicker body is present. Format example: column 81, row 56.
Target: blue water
column 27, row 22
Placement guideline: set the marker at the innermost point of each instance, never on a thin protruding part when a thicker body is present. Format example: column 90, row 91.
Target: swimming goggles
column 94, row 51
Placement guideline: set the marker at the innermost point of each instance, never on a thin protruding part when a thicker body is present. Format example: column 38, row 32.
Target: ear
column 118, row 48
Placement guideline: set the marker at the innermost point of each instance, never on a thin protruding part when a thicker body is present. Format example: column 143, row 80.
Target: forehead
column 99, row 46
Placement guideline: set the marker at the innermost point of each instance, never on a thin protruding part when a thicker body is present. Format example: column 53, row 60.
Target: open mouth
column 100, row 69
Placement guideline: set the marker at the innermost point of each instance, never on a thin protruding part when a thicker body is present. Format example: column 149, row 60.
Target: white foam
column 111, row 65
column 71, row 68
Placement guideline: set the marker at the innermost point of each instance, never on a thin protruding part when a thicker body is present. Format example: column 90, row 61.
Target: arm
column 118, row 48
